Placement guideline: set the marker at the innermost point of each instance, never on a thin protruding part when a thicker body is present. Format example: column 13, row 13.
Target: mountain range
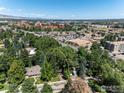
column 2, row 16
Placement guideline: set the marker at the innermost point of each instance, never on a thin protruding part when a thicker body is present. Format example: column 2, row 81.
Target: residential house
column 33, row 71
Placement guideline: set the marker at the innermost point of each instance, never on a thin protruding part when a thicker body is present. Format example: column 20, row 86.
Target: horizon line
column 28, row 17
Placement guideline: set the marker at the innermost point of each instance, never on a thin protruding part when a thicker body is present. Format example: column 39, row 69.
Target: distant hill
column 95, row 21
column 2, row 16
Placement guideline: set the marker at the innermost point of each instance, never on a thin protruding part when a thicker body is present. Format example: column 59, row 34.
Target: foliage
column 28, row 86
column 57, row 58
column 25, row 58
column 2, row 77
column 47, row 71
column 95, row 86
column 120, row 65
column 63, row 59
column 82, row 70
column 39, row 81
column 66, row 74
column 1, row 86
column 110, row 76
column 47, row 88
column 109, row 37
column 5, row 61
column 54, row 79
column 82, row 60
column 31, row 39
column 13, row 88
column 45, row 43
column 39, row 58
column 6, row 34
column 71, row 56
column 16, row 72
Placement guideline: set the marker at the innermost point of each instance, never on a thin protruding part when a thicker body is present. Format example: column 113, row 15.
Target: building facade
column 115, row 47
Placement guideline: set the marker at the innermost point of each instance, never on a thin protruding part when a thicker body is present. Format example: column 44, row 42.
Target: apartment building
column 116, row 47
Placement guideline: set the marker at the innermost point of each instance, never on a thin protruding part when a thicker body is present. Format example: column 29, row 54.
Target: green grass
column 55, row 79
column 39, row 81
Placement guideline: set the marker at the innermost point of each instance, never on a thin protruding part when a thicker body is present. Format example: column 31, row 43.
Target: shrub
column 1, row 86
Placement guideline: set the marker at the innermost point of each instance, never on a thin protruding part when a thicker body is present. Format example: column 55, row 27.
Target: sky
column 64, row 9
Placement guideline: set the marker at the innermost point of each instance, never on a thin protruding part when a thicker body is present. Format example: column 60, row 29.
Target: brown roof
column 80, row 42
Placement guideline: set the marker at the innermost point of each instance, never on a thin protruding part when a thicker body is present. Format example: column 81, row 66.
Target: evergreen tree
column 82, row 70
column 47, row 71
column 25, row 58
column 39, row 58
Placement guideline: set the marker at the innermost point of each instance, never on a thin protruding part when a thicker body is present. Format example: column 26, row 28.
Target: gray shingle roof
column 33, row 71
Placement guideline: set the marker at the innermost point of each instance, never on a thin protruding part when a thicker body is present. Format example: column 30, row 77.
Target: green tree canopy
column 28, row 86
column 47, row 71
column 62, row 58
column 25, row 58
column 47, row 89
column 45, row 43
column 16, row 72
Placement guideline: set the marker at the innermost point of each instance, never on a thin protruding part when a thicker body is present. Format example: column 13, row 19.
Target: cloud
column 10, row 11
column 37, row 15
column 2, row 9
column 20, row 12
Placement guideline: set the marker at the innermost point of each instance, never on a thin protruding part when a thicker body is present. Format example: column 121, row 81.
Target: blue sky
column 65, row 9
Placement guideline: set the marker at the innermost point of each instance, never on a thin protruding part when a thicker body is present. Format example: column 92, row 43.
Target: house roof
column 31, row 51
column 33, row 71
column 80, row 42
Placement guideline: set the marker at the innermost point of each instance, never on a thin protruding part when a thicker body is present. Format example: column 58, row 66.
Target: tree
column 47, row 71
column 13, row 88
column 109, row 76
column 25, row 58
column 120, row 65
column 81, row 70
column 11, row 51
column 71, row 56
column 39, row 58
column 2, row 77
column 95, row 59
column 16, row 72
column 45, row 43
column 47, row 89
column 109, row 37
column 82, row 59
column 28, row 86
column 57, row 58
column 76, row 86
column 4, row 65
column 82, row 52
column 7, row 43
column 31, row 39
column 62, row 58
column 66, row 74
column 6, row 34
